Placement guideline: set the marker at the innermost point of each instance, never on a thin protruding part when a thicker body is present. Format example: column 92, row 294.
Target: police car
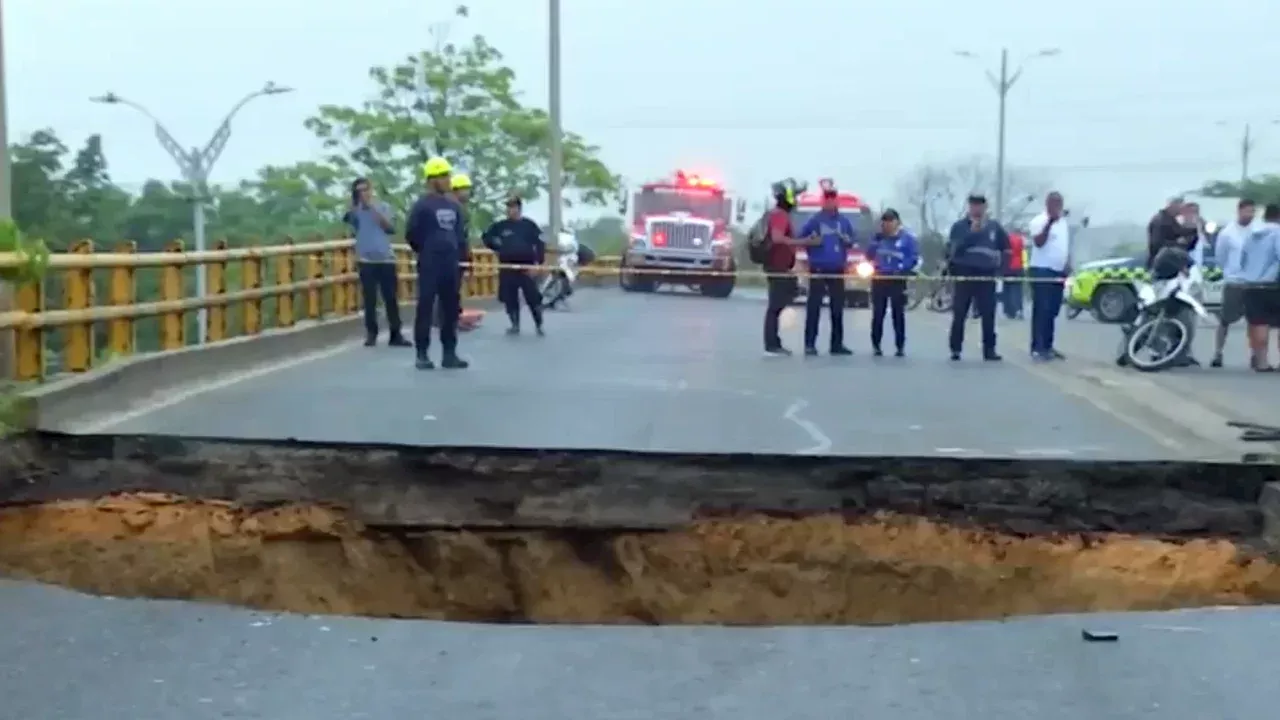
column 1107, row 287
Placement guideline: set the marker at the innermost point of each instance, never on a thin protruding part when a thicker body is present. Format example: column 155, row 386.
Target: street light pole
column 1002, row 84
column 556, row 165
column 194, row 166
column 6, row 175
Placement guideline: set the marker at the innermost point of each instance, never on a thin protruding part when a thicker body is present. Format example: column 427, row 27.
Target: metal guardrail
column 249, row 290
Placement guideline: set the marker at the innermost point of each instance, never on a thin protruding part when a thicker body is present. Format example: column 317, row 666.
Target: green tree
column 1264, row 190
column 458, row 101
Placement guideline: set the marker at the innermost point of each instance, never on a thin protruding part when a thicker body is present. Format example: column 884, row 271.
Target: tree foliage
column 933, row 195
column 460, row 102
column 1264, row 190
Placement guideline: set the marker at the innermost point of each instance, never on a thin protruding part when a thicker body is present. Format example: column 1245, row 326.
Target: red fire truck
column 858, row 271
column 679, row 229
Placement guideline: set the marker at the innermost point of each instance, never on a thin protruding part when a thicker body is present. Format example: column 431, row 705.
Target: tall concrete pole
column 556, row 166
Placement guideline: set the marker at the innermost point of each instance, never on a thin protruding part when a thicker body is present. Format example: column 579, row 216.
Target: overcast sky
column 1146, row 99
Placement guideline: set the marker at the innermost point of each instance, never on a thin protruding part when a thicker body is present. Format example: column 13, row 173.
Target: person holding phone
column 373, row 225
column 977, row 249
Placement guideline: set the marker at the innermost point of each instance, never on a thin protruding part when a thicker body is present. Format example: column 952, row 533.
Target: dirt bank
column 817, row 570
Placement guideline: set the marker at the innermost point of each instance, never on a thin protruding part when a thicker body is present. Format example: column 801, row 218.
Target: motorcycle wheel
column 1173, row 335
column 915, row 295
column 942, row 299
column 552, row 291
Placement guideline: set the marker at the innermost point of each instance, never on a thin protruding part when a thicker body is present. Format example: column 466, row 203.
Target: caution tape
column 609, row 267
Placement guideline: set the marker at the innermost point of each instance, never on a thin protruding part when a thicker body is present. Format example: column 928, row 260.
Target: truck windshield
column 704, row 204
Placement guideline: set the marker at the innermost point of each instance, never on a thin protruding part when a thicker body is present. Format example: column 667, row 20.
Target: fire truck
column 858, row 270
column 679, row 229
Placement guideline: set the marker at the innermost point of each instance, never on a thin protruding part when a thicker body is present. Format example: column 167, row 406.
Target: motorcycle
column 1161, row 335
column 557, row 287
column 943, row 296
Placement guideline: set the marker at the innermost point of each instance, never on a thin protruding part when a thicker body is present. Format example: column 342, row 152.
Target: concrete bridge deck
column 684, row 373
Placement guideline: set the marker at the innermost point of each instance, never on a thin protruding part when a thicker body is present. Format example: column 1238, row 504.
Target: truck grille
column 683, row 236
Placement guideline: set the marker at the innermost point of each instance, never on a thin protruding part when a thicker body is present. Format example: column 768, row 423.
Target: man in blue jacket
column 895, row 254
column 978, row 247
column 433, row 232
column 828, row 258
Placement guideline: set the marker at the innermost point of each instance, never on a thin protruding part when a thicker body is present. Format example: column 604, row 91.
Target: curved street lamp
column 1002, row 83
column 194, row 166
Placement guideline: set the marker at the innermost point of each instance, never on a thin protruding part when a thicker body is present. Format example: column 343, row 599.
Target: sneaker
column 1216, row 362
column 1041, row 357
column 900, row 352
column 992, row 356
column 424, row 363
column 1055, row 355
column 841, row 351
column 778, row 351
column 540, row 331
column 397, row 340
column 453, row 362
column 811, row 352
column 371, row 340
column 877, row 352
column 955, row 357
column 513, row 330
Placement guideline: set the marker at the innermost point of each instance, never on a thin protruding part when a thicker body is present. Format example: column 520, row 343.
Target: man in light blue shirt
column 1227, row 249
column 372, row 221
column 1260, row 270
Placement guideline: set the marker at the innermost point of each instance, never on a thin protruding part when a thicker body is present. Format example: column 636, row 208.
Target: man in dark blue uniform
column 434, row 232
column 978, row 247
column 518, row 241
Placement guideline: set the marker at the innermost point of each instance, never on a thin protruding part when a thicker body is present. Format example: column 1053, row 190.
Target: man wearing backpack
column 772, row 244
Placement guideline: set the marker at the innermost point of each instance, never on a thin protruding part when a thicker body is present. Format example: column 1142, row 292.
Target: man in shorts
column 1229, row 251
column 1260, row 269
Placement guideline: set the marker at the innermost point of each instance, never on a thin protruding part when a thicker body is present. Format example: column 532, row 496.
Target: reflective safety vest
column 1018, row 257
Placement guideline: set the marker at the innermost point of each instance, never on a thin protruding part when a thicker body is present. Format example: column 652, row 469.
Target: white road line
column 822, row 443
column 1044, row 452
column 107, row 422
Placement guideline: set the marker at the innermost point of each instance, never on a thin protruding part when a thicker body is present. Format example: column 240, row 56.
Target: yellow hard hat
column 461, row 181
column 436, row 167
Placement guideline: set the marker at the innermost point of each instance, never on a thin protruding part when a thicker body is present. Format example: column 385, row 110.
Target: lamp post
column 194, row 165
column 1002, row 84
column 555, row 167
column 6, row 179
column 1247, row 142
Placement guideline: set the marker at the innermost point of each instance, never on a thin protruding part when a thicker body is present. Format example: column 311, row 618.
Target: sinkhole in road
column 754, row 571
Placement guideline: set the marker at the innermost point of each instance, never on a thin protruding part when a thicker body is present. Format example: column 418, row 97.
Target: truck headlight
column 864, row 270
column 637, row 242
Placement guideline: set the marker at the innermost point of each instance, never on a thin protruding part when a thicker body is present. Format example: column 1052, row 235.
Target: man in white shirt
column 1229, row 252
column 1047, row 272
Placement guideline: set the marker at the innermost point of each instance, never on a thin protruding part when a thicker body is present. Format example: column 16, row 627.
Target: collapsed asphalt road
column 84, row 658
column 668, row 372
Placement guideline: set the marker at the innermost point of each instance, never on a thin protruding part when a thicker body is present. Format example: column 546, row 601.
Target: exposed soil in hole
column 820, row 570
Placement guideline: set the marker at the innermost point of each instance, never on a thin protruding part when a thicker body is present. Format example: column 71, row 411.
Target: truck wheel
column 1115, row 303
column 629, row 281
column 719, row 287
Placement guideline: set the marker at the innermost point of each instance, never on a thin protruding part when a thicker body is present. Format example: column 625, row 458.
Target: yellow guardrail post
column 77, row 291
column 404, row 273
column 216, row 284
column 28, row 342
column 315, row 272
column 488, row 275
column 284, row 278
column 122, row 292
column 173, row 331
column 352, row 286
column 251, row 277
column 333, row 268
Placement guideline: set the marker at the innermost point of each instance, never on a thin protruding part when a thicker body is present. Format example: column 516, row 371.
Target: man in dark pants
column 1050, row 258
column 834, row 234
column 895, row 254
column 517, row 240
column 371, row 220
column 977, row 247
column 433, row 232
column 780, row 259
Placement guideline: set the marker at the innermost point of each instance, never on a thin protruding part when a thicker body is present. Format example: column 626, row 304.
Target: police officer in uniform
column 977, row 247
column 433, row 231
column 518, row 242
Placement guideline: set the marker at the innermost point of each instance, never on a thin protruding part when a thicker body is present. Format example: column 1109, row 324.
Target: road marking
column 109, row 421
column 428, row 417
column 1043, row 452
column 822, row 443
column 953, row 450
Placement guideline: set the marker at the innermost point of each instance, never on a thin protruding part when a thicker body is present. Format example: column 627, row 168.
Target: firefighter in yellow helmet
column 434, row 232
column 460, row 189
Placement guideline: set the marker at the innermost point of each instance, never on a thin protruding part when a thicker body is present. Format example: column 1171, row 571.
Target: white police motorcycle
column 558, row 285
column 1160, row 337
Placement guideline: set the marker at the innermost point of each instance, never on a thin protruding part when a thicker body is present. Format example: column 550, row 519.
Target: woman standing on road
column 895, row 253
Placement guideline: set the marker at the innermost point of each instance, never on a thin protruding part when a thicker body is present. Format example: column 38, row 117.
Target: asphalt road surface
column 64, row 655
column 669, row 372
